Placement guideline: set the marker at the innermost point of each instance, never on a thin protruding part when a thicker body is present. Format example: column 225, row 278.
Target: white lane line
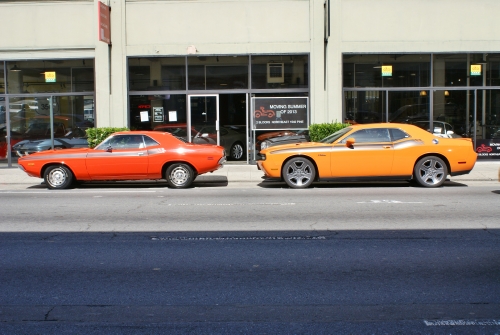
column 236, row 238
column 388, row 202
column 462, row 323
column 240, row 204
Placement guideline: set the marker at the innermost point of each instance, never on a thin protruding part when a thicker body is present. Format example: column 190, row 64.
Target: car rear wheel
column 179, row 175
column 58, row 177
column 430, row 171
column 299, row 172
column 236, row 151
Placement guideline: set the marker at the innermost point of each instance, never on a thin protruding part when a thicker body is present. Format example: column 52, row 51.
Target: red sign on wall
column 104, row 26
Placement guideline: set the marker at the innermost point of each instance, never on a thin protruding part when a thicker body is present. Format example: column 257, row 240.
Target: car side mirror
column 204, row 135
column 109, row 149
column 350, row 142
column 450, row 132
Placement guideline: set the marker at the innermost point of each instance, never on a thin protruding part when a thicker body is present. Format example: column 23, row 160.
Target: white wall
column 47, row 25
column 217, row 26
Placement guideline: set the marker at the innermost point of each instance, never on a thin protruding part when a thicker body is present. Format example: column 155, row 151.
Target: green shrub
column 319, row 131
column 97, row 135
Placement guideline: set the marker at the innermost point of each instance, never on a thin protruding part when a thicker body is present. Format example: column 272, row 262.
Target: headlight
column 264, row 145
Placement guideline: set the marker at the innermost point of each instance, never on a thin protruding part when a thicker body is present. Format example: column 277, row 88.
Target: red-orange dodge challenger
column 131, row 155
column 378, row 151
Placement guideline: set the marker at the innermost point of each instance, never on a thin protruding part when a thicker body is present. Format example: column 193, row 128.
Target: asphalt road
column 381, row 258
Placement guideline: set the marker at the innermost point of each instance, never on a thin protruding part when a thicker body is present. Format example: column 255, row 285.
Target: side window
column 124, row 142
column 149, row 141
column 398, row 134
column 370, row 135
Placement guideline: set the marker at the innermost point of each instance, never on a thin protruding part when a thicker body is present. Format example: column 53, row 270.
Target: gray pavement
column 14, row 178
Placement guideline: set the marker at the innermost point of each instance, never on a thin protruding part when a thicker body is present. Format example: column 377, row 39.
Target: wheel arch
column 46, row 166
column 167, row 164
column 445, row 160
column 316, row 177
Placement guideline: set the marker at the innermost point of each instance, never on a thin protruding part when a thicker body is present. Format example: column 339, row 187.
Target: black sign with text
column 280, row 113
column 488, row 148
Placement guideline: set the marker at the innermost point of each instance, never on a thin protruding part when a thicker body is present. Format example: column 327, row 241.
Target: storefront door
column 204, row 119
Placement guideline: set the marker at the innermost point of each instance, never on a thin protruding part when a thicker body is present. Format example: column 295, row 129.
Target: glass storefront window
column 364, row 107
column 280, row 71
column 2, row 80
column 30, row 120
column 493, row 70
column 409, row 106
column 217, row 72
column 158, row 112
column 386, row 70
column 155, row 74
column 450, row 70
column 50, row 76
column 454, row 108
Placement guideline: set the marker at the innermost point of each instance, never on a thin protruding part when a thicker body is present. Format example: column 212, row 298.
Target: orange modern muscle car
column 131, row 155
column 377, row 151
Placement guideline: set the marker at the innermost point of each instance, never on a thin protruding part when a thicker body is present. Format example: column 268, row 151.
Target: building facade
column 219, row 66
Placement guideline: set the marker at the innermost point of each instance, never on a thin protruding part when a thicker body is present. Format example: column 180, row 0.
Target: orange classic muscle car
column 377, row 151
column 131, row 155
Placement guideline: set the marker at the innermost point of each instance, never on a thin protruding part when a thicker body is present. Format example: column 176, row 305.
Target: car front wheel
column 299, row 172
column 430, row 171
column 179, row 175
column 58, row 177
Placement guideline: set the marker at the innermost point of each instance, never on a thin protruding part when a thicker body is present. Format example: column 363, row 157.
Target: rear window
column 398, row 134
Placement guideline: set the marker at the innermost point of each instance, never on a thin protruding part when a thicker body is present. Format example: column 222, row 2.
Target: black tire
column 179, row 175
column 237, row 151
column 430, row 171
column 299, row 172
column 58, row 177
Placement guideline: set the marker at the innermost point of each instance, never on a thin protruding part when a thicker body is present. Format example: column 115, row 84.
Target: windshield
column 335, row 136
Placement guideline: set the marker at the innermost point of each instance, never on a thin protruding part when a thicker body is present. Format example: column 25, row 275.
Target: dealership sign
column 280, row 113
column 488, row 148
column 104, row 23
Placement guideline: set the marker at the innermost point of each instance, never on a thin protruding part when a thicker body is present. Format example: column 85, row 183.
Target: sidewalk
column 14, row 177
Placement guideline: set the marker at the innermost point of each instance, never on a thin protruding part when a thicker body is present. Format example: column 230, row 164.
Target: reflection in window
column 405, row 70
column 408, row 106
column 50, row 76
column 398, row 134
column 370, row 135
column 280, row 71
column 364, row 107
column 157, row 73
column 217, row 72
column 2, row 82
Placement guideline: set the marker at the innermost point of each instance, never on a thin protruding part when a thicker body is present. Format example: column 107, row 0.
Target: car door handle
column 386, row 146
column 141, row 153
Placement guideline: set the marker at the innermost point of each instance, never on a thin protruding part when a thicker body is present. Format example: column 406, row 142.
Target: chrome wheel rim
column 179, row 176
column 57, row 177
column 431, row 171
column 299, row 173
column 237, row 151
